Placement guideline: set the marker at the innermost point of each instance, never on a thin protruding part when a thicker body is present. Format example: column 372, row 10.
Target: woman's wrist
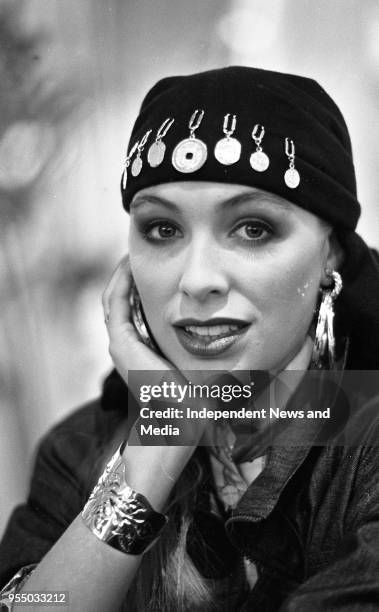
column 154, row 470
column 119, row 515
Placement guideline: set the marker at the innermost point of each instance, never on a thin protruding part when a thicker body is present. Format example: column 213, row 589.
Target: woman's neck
column 302, row 358
column 290, row 376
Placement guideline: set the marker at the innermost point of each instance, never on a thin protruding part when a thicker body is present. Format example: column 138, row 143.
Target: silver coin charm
column 259, row 161
column 156, row 153
column 136, row 166
column 292, row 178
column 127, row 164
column 137, row 163
column 189, row 155
column 227, row 151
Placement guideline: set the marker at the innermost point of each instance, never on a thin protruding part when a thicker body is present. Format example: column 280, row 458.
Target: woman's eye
column 161, row 231
column 253, row 231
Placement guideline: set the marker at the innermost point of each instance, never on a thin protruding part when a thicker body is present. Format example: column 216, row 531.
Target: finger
column 118, row 300
column 116, row 295
column 122, row 266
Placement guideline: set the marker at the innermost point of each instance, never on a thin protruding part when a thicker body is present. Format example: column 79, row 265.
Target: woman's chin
column 236, row 361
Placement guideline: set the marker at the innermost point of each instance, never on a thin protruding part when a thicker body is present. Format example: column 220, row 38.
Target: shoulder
column 357, row 450
column 75, row 448
column 92, row 425
column 87, row 421
column 362, row 426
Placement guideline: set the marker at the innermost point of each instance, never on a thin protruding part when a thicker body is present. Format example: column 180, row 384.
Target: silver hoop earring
column 323, row 355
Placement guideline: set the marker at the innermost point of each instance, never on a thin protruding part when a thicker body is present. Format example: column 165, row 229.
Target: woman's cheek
column 155, row 297
column 138, row 266
column 145, row 274
column 293, row 290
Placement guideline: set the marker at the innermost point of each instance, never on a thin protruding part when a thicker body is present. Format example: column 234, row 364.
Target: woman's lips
column 207, row 340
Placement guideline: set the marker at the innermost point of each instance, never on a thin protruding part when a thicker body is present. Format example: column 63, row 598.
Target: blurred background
column 72, row 76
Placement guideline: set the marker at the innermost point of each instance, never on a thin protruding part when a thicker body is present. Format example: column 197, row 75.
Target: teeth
column 212, row 330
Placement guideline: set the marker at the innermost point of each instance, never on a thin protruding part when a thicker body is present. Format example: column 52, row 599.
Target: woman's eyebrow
column 241, row 198
column 150, row 199
column 257, row 198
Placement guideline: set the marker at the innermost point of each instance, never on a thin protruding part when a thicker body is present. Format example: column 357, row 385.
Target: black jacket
column 310, row 521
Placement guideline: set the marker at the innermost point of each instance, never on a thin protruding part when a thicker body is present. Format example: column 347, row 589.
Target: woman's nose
column 204, row 273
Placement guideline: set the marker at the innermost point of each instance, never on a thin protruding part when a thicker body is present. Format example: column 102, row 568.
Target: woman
column 241, row 191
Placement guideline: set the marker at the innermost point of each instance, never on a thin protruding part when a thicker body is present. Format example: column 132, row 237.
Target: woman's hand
column 126, row 349
column 151, row 470
column 96, row 575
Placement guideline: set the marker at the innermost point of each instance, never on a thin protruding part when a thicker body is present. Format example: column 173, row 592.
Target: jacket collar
column 289, row 440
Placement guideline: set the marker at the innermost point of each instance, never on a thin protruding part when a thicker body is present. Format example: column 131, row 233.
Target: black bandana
column 287, row 106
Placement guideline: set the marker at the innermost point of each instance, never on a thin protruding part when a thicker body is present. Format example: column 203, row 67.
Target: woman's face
column 228, row 275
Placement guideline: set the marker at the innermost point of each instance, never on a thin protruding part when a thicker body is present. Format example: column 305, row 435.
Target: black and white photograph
column 189, row 323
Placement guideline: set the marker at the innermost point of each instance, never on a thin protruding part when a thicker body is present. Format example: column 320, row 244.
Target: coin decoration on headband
column 291, row 176
column 259, row 161
column 228, row 150
column 191, row 153
column 157, row 150
column 127, row 164
column 137, row 163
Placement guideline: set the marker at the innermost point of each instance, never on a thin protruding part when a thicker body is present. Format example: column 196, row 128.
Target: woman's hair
column 357, row 308
column 167, row 578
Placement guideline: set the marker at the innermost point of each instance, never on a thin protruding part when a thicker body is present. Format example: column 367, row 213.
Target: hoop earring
column 323, row 355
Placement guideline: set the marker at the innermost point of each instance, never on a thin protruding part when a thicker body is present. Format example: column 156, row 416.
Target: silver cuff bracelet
column 120, row 516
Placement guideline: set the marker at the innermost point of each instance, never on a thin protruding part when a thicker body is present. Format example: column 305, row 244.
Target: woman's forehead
column 223, row 194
